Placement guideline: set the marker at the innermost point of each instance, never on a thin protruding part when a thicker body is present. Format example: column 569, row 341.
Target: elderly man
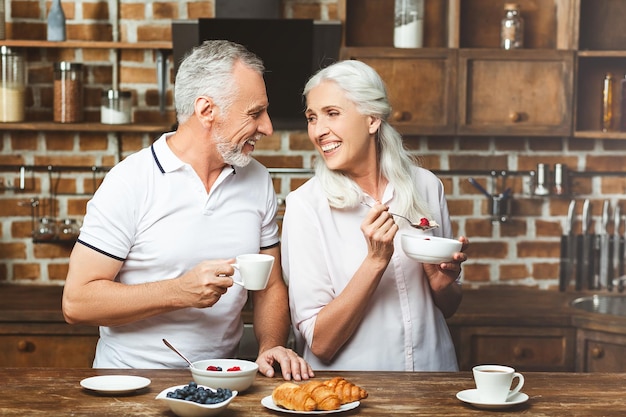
column 153, row 259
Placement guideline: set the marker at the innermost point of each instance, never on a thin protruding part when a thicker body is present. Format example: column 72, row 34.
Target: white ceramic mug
column 493, row 382
column 254, row 269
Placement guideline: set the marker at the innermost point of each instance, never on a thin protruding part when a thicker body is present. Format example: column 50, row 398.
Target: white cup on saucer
column 254, row 269
column 493, row 383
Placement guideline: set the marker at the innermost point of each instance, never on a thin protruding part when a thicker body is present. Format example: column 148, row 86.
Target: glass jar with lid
column 69, row 229
column 45, row 229
column 115, row 107
column 68, row 92
column 13, row 85
column 512, row 27
column 409, row 24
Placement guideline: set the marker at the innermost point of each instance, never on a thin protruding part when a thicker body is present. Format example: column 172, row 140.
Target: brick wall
column 524, row 250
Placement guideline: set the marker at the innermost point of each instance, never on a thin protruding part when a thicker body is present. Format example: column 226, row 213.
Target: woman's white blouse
column 322, row 248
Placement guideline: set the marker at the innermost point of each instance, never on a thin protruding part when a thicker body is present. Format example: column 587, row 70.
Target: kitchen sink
column 604, row 304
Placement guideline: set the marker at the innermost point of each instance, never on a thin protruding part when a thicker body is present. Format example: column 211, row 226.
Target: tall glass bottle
column 56, row 22
column 607, row 103
column 512, row 27
column 623, row 105
column 409, row 24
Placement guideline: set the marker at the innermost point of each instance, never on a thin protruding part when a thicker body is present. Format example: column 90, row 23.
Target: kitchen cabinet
column 421, row 84
column 601, row 50
column 526, row 348
column 33, row 331
column 47, row 345
column 599, row 351
column 530, row 91
column 526, row 92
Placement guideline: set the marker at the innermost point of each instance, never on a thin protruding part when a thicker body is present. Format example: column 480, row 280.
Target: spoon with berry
column 423, row 224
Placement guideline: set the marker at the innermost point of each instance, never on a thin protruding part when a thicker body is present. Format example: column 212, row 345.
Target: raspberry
column 424, row 222
column 213, row 368
column 234, row 368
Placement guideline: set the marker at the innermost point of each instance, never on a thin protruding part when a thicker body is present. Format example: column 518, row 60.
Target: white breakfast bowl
column 234, row 380
column 429, row 249
column 184, row 408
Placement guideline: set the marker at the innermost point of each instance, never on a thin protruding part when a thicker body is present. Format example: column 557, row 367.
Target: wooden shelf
column 597, row 134
column 86, row 44
column 85, row 127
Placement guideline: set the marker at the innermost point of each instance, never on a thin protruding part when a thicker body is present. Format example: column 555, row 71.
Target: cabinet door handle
column 25, row 346
column 515, row 116
column 401, row 116
column 518, row 352
column 597, row 352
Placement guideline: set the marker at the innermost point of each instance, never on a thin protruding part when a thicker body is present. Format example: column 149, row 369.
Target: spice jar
column 68, row 92
column 69, row 229
column 512, row 27
column 13, row 87
column 46, row 229
column 115, row 107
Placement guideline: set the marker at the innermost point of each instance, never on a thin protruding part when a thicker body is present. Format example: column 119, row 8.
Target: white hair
column 363, row 86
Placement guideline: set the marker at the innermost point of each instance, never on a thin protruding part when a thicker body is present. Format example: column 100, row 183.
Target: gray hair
column 208, row 71
column 365, row 88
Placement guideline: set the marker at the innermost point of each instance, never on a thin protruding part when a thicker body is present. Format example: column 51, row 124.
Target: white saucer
column 115, row 384
column 471, row 396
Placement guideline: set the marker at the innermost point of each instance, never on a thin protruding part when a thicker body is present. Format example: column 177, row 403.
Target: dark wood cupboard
column 551, row 87
column 410, row 75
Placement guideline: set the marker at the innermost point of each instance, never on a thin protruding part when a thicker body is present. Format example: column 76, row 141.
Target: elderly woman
column 357, row 301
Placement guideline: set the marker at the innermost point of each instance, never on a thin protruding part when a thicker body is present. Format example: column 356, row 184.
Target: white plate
column 268, row 402
column 115, row 384
column 471, row 396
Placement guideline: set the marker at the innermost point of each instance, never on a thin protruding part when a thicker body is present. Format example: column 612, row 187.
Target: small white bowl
column 234, row 380
column 185, row 408
column 429, row 249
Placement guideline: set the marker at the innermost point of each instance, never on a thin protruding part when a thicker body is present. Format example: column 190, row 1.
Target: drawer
column 524, row 348
column 66, row 351
column 600, row 352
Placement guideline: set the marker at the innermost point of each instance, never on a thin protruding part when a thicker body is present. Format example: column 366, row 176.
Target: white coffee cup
column 493, row 382
column 254, row 269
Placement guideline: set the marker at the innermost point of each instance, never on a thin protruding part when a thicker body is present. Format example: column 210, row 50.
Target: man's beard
column 233, row 155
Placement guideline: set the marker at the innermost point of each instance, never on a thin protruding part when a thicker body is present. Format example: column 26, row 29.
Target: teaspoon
column 413, row 224
column 177, row 352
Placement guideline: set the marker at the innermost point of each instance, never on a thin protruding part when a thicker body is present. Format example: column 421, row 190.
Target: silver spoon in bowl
column 178, row 353
column 413, row 224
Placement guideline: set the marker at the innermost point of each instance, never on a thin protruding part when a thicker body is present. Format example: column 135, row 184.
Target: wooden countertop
column 47, row 391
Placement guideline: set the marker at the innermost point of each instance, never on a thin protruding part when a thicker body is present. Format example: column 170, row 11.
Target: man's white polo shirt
column 153, row 213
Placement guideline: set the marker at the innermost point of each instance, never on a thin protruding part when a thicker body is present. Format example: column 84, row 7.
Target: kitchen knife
column 583, row 276
column 621, row 260
column 614, row 264
column 568, row 248
column 603, row 277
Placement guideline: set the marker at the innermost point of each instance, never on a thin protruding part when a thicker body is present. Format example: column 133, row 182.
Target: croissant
column 324, row 396
column 346, row 390
column 293, row 397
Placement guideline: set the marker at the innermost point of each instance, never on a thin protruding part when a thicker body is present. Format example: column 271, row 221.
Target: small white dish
column 429, row 249
column 268, row 402
column 183, row 408
column 239, row 380
column 115, row 384
column 470, row 396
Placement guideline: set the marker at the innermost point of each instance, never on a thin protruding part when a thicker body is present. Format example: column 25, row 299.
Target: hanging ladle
column 178, row 353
